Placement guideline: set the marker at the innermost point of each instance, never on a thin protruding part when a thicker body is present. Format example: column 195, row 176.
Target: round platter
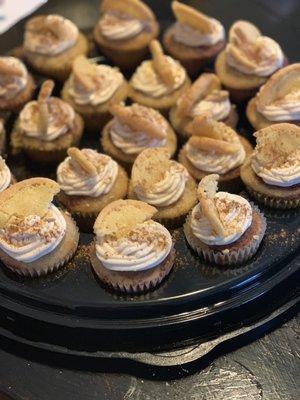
column 71, row 308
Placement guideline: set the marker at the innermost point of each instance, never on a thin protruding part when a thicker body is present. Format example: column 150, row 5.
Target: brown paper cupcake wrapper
column 273, row 201
column 85, row 221
column 36, row 272
column 140, row 283
column 172, row 223
column 234, row 257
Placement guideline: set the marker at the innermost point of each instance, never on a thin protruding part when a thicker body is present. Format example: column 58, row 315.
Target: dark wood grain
column 266, row 369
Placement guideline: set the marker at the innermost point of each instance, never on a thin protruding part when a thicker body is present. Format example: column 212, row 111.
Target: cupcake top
column 30, row 225
column 93, row 84
column 50, row 35
column 279, row 98
column 195, row 29
column 128, row 240
column 13, row 77
column 160, row 76
column 124, row 19
column 86, row 173
column 156, row 179
column 136, row 128
column 251, row 53
column 213, row 147
column 276, row 158
column 5, row 175
column 46, row 118
column 219, row 218
column 205, row 96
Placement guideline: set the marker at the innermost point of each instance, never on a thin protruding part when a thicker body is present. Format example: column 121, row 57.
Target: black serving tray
column 71, row 313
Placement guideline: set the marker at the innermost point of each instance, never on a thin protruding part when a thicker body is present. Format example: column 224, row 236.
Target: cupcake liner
column 138, row 282
column 85, row 221
column 274, row 202
column 227, row 257
column 29, row 270
column 172, row 223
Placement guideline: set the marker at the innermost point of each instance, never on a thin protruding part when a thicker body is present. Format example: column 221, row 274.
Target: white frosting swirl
column 235, row 213
column 60, row 119
column 5, row 175
column 285, row 173
column 147, row 81
column 219, row 110
column 145, row 247
column 114, row 27
column 267, row 59
column 215, row 162
column 191, row 37
column 50, row 35
column 106, row 81
column 169, row 189
column 287, row 108
column 32, row 237
column 74, row 181
column 13, row 77
column 134, row 142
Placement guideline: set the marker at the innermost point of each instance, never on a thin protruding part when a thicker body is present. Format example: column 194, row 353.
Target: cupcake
column 215, row 148
column 159, row 82
column 35, row 236
column 272, row 173
column 223, row 228
column 91, row 89
column 132, row 253
column 16, row 84
column 248, row 61
column 134, row 129
column 278, row 100
column 89, row 181
column 46, row 128
column 165, row 184
column 124, row 31
column 195, row 39
column 205, row 96
column 2, row 136
column 51, row 44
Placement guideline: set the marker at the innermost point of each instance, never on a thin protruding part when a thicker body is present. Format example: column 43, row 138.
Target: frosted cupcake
column 16, row 84
column 125, row 30
column 132, row 253
column 195, row 39
column 159, row 82
column 223, row 228
column 51, row 44
column 134, row 129
column 89, row 181
column 272, row 174
column 205, row 96
column 35, row 236
column 91, row 89
column 278, row 100
column 248, row 60
column 215, row 148
column 46, row 128
column 165, row 184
